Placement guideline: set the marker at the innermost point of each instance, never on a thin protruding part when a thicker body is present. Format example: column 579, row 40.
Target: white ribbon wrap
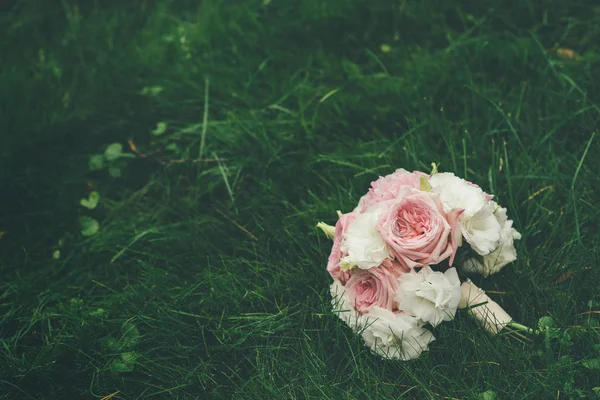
column 490, row 315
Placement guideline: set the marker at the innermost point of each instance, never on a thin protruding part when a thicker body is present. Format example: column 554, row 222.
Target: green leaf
column 488, row 395
column 76, row 303
column 111, row 343
column 128, row 155
column 173, row 147
column 96, row 162
column 565, row 340
column 98, row 313
column 592, row 364
column 424, row 184
column 114, row 171
column 593, row 303
column 126, row 363
column 596, row 389
column 555, row 333
column 119, row 366
column 56, row 254
column 130, row 336
column 352, row 69
column 57, row 71
column 113, row 151
column 89, row 226
column 129, row 357
column 92, row 201
column 161, row 128
column 545, row 322
column 152, row 90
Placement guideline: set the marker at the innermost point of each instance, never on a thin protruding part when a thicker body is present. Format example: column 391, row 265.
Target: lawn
column 207, row 138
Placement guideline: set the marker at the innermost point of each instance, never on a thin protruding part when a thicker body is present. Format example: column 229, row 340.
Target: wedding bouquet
column 394, row 257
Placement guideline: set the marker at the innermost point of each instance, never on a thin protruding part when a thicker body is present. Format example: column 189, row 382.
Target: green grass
column 207, row 279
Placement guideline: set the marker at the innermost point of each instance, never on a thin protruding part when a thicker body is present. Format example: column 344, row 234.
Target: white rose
column 363, row 243
column 342, row 306
column 429, row 295
column 478, row 225
column 395, row 336
column 504, row 253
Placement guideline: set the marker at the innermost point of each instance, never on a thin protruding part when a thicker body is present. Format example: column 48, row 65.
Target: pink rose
column 375, row 286
column 387, row 187
column 418, row 231
column 333, row 264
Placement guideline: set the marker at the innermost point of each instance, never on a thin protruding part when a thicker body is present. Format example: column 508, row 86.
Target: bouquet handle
column 486, row 311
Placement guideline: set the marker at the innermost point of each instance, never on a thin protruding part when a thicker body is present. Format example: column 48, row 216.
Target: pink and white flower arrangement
column 393, row 258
